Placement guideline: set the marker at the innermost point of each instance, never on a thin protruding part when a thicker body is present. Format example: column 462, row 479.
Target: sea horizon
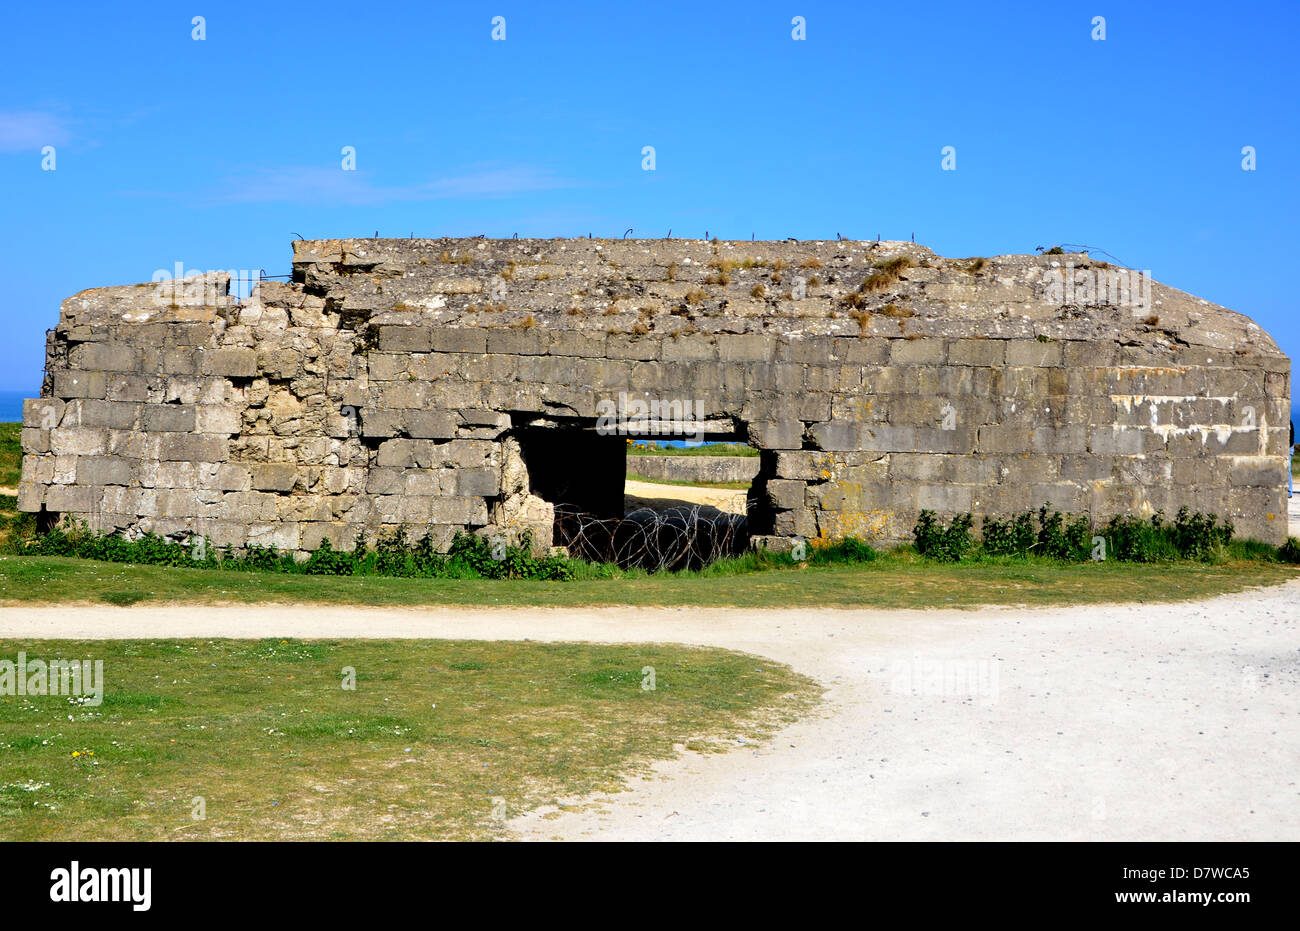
column 11, row 403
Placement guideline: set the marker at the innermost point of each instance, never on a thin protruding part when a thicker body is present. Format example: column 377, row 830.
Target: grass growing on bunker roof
column 886, row 275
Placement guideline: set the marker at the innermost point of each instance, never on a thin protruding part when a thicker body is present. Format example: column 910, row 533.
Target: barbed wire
column 1091, row 249
column 679, row 537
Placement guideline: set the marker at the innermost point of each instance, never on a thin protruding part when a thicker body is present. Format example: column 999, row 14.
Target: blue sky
column 215, row 153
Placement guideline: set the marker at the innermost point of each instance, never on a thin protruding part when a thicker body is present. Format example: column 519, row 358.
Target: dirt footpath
column 1133, row 722
column 659, row 496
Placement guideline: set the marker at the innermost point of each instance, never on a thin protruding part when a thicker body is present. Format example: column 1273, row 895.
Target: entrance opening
column 573, row 466
column 46, row 520
column 640, row 502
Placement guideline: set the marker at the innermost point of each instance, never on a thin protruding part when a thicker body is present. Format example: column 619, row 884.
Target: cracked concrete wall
column 391, row 381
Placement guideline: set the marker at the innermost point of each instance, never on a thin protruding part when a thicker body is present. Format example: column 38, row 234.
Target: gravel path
column 1127, row 722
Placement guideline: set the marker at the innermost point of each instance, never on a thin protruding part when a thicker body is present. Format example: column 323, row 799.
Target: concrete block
column 430, row 424
column 42, row 413
column 641, row 348
column 777, row 435
column 458, row 510
column 232, row 476
column 484, row 482
column 78, row 441
column 37, row 469
column 31, row 496
column 179, row 361
column 385, row 481
column 74, row 499
column 873, row 351
column 234, row 362
column 905, row 351
column 458, row 340
column 750, row 347
column 1059, row 441
column 519, row 342
column 404, row 339
column 835, row 435
column 977, row 352
column 341, row 536
column 177, row 447
column 34, row 441
column 90, row 412
column 177, row 418
column 1119, row 441
column 123, row 387
column 76, row 384
column 281, row 535
column 999, row 438
column 786, row 493
column 105, row 470
column 1034, row 352
column 104, row 357
column 217, row 418
column 944, row 499
column 1258, row 471
column 398, row 454
column 273, row 476
column 688, row 350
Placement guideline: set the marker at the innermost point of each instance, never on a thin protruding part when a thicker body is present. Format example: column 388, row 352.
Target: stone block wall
column 695, row 468
column 446, row 385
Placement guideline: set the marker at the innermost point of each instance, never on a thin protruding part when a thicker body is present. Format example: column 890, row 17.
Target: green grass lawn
column 651, row 448
column 11, row 460
column 438, row 740
column 11, row 454
column 895, row 580
column 12, row 522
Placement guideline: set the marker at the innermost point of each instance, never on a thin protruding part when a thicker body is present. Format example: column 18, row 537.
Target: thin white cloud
column 22, row 131
column 319, row 185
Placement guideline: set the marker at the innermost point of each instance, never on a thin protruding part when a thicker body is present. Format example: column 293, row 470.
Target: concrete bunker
column 411, row 383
